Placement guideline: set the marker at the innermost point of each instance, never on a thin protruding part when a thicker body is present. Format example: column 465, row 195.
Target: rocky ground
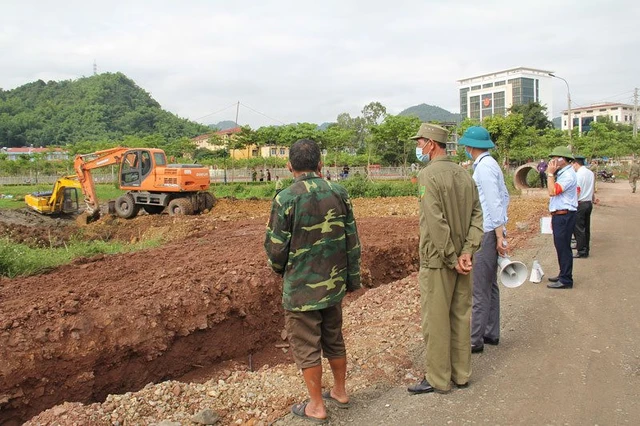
column 199, row 317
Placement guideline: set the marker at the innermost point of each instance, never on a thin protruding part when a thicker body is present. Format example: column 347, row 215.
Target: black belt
column 581, row 202
column 559, row 212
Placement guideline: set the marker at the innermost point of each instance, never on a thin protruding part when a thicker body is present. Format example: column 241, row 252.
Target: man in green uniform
column 312, row 241
column 450, row 233
column 634, row 174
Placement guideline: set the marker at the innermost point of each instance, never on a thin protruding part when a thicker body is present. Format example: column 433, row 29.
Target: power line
column 216, row 112
column 262, row 114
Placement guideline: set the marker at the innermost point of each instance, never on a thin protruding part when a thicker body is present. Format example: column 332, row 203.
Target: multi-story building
column 493, row 94
column 221, row 140
column 583, row 117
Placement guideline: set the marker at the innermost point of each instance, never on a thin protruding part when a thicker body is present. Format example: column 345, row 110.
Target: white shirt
column 494, row 197
column 586, row 184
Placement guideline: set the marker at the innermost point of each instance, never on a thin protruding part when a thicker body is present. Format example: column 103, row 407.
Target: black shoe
column 462, row 385
column 476, row 349
column 559, row 285
column 554, row 279
column 421, row 387
column 580, row 256
column 490, row 341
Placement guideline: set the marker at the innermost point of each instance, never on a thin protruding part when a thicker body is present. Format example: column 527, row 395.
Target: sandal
column 327, row 396
column 299, row 410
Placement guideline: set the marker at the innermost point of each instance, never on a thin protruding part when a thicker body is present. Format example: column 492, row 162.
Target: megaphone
column 512, row 273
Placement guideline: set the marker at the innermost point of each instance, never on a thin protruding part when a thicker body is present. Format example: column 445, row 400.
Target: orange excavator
column 151, row 183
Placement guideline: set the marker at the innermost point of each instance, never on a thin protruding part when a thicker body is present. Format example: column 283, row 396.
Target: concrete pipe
column 520, row 176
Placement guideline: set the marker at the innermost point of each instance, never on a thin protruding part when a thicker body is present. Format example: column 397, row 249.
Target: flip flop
column 327, row 396
column 298, row 410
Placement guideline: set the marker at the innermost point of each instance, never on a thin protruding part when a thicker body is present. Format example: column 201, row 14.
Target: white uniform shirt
column 586, row 184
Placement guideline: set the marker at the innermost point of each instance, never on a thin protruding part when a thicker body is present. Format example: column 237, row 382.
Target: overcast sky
column 303, row 61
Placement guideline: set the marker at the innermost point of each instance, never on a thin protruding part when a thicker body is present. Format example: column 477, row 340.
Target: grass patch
column 21, row 260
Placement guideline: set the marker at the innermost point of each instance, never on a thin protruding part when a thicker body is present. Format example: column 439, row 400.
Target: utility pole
column 570, row 121
column 635, row 112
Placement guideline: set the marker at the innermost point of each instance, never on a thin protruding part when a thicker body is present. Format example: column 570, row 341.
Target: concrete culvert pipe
column 520, row 176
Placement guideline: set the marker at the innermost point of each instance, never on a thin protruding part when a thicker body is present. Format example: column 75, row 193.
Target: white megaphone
column 512, row 273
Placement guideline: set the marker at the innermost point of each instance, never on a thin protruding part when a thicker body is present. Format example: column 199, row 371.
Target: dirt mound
column 112, row 324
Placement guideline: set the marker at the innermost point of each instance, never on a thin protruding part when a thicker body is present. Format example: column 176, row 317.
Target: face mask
column 420, row 156
column 469, row 156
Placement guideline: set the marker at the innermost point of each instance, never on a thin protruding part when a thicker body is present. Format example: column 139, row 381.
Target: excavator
column 151, row 183
column 63, row 199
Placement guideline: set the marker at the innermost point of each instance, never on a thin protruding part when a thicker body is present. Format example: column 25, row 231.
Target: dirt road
column 566, row 357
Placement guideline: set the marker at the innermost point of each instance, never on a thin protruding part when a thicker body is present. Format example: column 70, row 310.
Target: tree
column 392, row 138
column 504, row 131
column 534, row 115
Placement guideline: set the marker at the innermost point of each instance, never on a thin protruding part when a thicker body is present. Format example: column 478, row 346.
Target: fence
column 230, row 175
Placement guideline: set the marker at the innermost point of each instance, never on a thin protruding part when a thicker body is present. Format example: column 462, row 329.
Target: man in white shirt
column 586, row 193
column 494, row 199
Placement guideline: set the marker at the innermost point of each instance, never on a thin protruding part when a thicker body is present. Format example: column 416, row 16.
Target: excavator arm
column 84, row 164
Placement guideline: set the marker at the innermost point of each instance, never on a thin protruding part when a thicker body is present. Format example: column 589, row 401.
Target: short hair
column 304, row 155
column 442, row 145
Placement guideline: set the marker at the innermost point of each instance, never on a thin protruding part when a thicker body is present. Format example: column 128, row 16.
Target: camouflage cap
column 433, row 132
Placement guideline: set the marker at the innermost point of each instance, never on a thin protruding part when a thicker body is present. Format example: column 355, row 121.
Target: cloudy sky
column 296, row 61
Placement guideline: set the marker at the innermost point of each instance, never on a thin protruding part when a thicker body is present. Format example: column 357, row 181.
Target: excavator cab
column 136, row 166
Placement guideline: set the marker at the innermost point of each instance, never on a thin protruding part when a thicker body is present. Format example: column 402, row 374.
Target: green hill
column 428, row 113
column 104, row 107
column 224, row 125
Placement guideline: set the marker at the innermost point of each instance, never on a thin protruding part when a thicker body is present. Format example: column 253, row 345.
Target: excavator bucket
column 86, row 218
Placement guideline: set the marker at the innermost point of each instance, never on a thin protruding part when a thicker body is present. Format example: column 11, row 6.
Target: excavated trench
column 205, row 316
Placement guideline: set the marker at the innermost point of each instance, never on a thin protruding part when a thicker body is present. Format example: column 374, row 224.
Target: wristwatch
column 550, row 174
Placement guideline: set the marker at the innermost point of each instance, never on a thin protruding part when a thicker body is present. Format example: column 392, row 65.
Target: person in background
column 494, row 199
column 562, row 184
column 328, row 174
column 312, row 241
column 261, row 175
column 634, row 174
column 278, row 184
column 254, row 175
column 450, row 233
column 542, row 172
column 268, row 176
column 586, row 197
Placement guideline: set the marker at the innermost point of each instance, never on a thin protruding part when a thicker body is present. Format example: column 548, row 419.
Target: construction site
column 203, row 309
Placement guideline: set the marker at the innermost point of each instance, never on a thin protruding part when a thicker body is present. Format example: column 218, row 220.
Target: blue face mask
column 421, row 157
column 469, row 156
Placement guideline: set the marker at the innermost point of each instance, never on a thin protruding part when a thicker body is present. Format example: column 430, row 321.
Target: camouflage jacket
column 312, row 241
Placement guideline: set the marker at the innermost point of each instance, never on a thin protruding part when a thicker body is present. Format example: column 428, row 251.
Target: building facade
column 584, row 116
column 493, row 94
column 49, row 154
column 221, row 140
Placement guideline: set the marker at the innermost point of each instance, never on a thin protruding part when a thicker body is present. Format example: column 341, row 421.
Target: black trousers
column 543, row 179
column 563, row 226
column 582, row 231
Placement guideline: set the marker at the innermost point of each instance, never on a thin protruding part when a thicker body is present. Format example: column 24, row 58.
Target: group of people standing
column 312, row 242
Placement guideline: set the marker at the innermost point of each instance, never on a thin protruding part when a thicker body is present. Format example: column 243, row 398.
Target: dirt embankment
column 112, row 324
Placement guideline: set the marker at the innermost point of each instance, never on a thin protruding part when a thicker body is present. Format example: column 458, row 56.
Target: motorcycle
column 606, row 176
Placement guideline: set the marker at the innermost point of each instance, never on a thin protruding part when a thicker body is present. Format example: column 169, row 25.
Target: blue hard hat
column 477, row 137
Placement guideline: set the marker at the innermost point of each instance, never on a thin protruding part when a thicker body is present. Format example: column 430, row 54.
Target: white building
column 493, row 94
column 582, row 117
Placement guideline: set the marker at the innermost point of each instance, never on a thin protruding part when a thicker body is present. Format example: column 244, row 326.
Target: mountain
column 224, row 125
column 428, row 113
column 104, row 107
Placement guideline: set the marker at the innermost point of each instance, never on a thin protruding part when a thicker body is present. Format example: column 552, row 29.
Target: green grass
column 104, row 191
column 21, row 260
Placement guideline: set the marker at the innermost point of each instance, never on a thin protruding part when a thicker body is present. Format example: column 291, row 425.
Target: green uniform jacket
column 634, row 171
column 313, row 242
column 450, row 214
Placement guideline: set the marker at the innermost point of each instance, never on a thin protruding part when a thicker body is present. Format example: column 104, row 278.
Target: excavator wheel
column 209, row 201
column 180, row 206
column 153, row 209
column 126, row 207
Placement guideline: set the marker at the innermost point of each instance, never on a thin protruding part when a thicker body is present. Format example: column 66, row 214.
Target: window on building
column 474, row 107
column 484, row 86
column 626, row 118
column 603, row 109
column 565, row 123
column 463, row 101
column 498, row 104
column 487, row 105
column 476, row 87
column 590, row 111
column 273, row 152
column 537, row 90
column 281, row 151
column 616, row 118
column 499, row 83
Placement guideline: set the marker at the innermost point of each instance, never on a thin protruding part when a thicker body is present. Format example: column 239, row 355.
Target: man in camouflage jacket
column 312, row 241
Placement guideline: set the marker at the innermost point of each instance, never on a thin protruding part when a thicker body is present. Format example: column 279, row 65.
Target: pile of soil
column 196, row 305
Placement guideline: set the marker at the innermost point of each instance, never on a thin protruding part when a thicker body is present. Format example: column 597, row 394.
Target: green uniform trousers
column 445, row 298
